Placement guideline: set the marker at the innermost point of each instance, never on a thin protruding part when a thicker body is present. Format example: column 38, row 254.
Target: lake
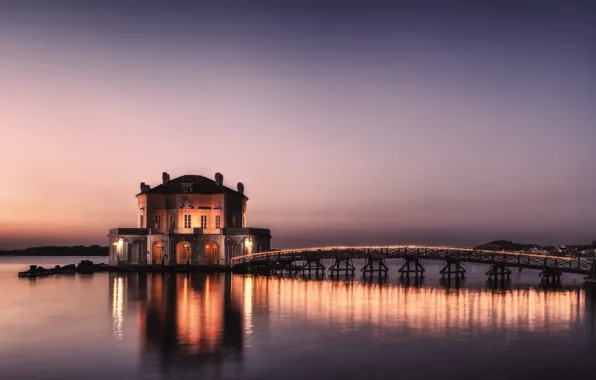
column 179, row 326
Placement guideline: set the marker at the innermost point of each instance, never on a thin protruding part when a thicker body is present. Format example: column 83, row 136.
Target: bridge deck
column 513, row 259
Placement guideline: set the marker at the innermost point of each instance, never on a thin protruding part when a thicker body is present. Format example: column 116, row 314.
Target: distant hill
column 78, row 250
column 505, row 245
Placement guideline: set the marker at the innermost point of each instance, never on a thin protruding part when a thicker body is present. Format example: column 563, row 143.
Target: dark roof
column 201, row 185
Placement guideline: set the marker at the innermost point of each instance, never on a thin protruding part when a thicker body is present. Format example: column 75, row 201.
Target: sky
column 348, row 122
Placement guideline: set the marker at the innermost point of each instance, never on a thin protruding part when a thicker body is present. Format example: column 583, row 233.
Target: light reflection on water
column 428, row 311
column 227, row 326
column 118, row 307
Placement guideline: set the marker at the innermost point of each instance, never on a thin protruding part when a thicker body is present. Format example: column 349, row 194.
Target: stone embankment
column 84, row 267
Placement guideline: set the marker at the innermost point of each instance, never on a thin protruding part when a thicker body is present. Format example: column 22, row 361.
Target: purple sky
column 360, row 123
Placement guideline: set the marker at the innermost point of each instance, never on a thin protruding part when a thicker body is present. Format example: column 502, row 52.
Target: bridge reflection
column 196, row 321
column 352, row 305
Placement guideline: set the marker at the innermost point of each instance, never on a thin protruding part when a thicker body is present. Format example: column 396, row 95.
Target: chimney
column 165, row 178
column 143, row 188
column 219, row 179
column 240, row 188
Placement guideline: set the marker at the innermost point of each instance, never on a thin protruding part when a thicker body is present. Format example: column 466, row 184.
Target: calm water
column 108, row 326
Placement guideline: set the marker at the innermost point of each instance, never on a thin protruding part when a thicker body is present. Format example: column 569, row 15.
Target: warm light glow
column 120, row 246
column 248, row 303
column 199, row 314
column 118, row 307
column 428, row 311
column 316, row 249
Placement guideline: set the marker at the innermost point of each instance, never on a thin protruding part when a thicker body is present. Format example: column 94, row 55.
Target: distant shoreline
column 93, row 250
column 9, row 254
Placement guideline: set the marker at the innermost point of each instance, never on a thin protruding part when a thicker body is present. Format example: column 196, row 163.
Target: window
column 217, row 221
column 243, row 221
column 157, row 221
column 234, row 221
column 187, row 221
column 172, row 221
column 141, row 221
column 187, row 188
column 203, row 221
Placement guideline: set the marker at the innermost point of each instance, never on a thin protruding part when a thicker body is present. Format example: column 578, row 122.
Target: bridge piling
column 281, row 265
column 452, row 268
column 405, row 269
column 313, row 264
column 336, row 267
column 369, row 266
column 499, row 270
column 550, row 276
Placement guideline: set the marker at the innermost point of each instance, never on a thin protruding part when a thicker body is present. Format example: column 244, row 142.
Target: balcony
column 129, row 231
column 195, row 230
column 209, row 231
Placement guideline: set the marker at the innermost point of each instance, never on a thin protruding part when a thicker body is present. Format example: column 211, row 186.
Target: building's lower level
column 139, row 246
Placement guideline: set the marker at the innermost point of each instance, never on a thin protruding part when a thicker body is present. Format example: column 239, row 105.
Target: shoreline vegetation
column 77, row 250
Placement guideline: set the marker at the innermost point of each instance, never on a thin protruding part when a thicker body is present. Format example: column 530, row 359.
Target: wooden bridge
column 311, row 259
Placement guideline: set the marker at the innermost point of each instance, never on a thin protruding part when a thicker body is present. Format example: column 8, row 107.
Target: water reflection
column 196, row 321
column 117, row 307
column 350, row 305
column 183, row 319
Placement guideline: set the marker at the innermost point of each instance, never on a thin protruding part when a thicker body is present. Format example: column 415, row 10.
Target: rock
column 86, row 266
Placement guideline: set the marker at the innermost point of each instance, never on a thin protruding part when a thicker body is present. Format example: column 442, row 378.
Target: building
column 188, row 220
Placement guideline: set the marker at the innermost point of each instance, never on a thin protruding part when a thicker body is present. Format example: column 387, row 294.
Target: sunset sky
column 348, row 122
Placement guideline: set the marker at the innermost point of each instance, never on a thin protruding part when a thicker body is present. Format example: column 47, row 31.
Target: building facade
column 188, row 220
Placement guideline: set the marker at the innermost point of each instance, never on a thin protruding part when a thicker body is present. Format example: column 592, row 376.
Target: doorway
column 157, row 253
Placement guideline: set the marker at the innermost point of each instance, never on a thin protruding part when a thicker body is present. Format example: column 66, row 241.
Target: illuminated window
column 172, row 221
column 158, row 221
column 203, row 221
column 217, row 221
column 187, row 221
column 187, row 188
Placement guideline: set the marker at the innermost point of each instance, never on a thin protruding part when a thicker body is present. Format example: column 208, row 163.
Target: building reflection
column 184, row 320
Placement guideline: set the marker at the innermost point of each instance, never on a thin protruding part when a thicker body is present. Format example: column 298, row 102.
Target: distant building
column 188, row 220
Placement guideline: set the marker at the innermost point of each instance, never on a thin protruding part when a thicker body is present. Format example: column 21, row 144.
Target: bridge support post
column 284, row 265
column 499, row 270
column 313, row 264
column 259, row 268
column 369, row 266
column 550, row 276
column 405, row 269
column 452, row 268
column 337, row 267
